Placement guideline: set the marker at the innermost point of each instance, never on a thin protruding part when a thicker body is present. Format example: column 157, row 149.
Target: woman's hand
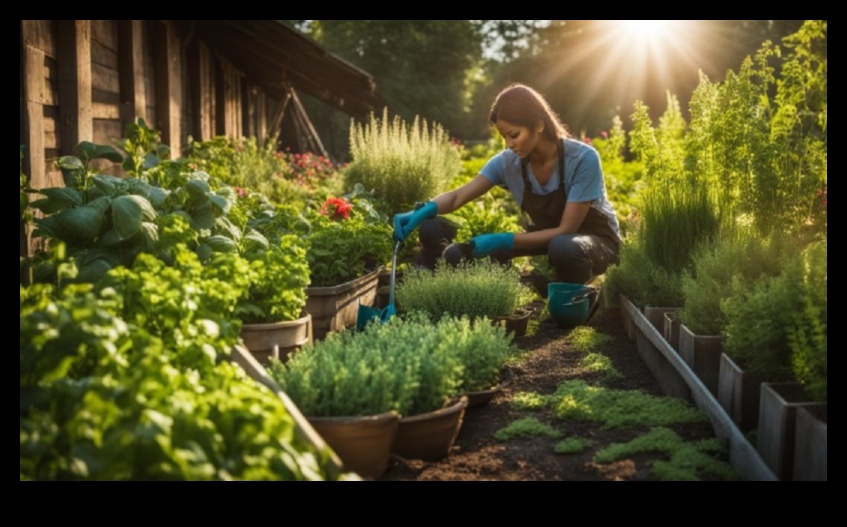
column 486, row 244
column 406, row 222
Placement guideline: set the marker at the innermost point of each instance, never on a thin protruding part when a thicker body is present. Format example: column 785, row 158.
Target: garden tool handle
column 393, row 272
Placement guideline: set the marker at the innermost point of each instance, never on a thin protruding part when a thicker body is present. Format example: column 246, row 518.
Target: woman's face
column 519, row 139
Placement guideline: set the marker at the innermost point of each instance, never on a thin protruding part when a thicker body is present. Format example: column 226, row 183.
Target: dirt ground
column 548, row 361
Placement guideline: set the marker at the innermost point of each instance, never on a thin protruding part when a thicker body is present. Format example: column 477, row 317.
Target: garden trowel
column 367, row 313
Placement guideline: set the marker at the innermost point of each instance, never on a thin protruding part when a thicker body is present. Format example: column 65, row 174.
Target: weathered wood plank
column 131, row 83
column 33, row 135
column 40, row 34
column 105, row 32
column 103, row 56
column 168, row 85
column 105, row 79
column 74, row 56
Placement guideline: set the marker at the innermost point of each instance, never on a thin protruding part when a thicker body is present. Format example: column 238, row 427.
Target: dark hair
column 521, row 105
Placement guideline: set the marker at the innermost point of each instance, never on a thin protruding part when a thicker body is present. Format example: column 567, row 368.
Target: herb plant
column 481, row 288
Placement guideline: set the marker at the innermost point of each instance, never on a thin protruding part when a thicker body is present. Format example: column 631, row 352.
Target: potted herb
column 481, row 288
column 346, row 248
column 274, row 323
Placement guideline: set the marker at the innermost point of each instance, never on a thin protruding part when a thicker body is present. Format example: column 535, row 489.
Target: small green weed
column 597, row 362
column 527, row 427
column 571, row 445
column 529, row 401
column 619, row 408
column 688, row 461
column 586, row 339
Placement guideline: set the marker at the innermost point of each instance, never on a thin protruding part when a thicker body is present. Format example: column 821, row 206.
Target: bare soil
column 548, row 361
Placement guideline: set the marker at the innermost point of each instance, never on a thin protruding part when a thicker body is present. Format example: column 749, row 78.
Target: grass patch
column 586, row 339
column 599, row 363
column 687, row 461
column 529, row 401
column 571, row 445
column 614, row 408
column 527, row 427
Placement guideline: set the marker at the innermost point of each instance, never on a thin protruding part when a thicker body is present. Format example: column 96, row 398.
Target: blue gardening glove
column 485, row 244
column 406, row 222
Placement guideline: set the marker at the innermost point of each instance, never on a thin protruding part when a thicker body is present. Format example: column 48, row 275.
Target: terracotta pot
column 277, row 339
column 362, row 443
column 516, row 323
column 481, row 397
column 335, row 308
column 429, row 436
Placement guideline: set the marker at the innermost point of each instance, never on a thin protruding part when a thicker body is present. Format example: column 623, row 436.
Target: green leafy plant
column 128, row 385
column 403, row 163
column 687, row 461
column 571, row 445
column 340, row 251
column 278, row 281
column 527, row 427
column 744, row 257
column 639, row 279
column 481, row 288
column 482, row 349
column 807, row 334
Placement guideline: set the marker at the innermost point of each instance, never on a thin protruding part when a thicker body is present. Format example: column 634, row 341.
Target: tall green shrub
column 403, row 163
column 807, row 332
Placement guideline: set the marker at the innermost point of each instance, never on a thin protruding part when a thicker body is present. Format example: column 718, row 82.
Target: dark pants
column 577, row 258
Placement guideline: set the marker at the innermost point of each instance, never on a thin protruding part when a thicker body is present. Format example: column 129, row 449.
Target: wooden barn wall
column 228, row 99
column 105, row 87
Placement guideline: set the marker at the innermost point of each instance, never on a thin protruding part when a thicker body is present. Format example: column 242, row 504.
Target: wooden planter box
column 810, row 443
column 668, row 378
column 777, row 430
column 335, row 308
column 738, row 393
column 671, row 328
column 743, row 456
column 702, row 353
column 277, row 339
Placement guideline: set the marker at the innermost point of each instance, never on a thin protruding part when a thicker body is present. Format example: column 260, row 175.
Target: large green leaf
column 58, row 198
column 197, row 187
column 128, row 212
column 221, row 244
column 225, row 227
column 86, row 221
column 109, row 185
column 255, row 240
column 203, row 216
column 88, row 151
column 150, row 234
column 49, row 227
column 219, row 201
column 157, row 196
column 73, row 171
column 93, row 271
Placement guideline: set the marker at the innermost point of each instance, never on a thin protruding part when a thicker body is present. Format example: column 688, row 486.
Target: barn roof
column 273, row 54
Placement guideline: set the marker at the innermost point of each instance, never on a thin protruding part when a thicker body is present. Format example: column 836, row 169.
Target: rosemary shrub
column 403, row 163
column 481, row 288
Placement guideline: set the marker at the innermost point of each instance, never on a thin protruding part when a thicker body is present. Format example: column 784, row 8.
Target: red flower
column 337, row 208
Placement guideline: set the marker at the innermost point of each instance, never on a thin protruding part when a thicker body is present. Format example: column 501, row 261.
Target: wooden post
column 311, row 135
column 168, row 87
column 131, row 71
column 275, row 127
column 73, row 48
column 201, row 74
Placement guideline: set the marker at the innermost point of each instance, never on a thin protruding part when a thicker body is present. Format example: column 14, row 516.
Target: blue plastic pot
column 569, row 304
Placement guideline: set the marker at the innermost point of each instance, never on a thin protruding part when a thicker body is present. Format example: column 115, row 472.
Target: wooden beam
column 133, row 101
column 166, row 56
column 275, row 126
column 314, row 140
column 73, row 43
column 32, row 123
column 202, row 83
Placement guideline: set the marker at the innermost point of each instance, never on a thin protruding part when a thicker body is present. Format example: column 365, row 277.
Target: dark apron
column 545, row 210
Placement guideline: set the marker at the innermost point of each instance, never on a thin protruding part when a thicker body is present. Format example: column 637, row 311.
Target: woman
column 557, row 181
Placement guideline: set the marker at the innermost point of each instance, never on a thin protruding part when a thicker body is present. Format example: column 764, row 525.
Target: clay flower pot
column 481, row 397
column 429, row 436
column 363, row 443
column 276, row 339
column 516, row 323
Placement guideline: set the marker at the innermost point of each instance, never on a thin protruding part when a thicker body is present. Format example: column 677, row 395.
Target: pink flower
column 604, row 134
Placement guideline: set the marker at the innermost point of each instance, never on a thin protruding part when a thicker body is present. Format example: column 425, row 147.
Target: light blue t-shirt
column 583, row 177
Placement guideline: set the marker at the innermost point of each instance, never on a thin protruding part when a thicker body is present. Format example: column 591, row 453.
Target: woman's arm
column 452, row 200
column 572, row 218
